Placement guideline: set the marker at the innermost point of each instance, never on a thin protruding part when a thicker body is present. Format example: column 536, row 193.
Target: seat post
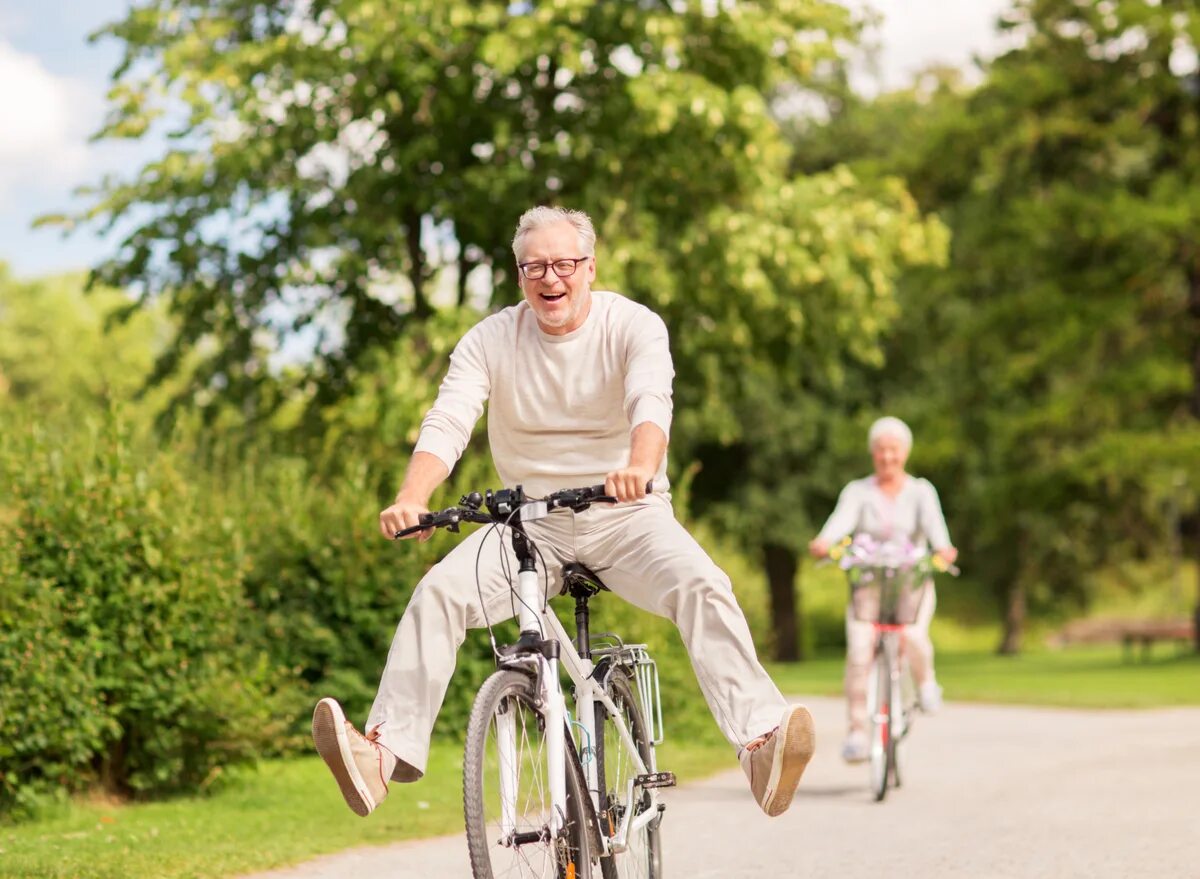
column 583, row 638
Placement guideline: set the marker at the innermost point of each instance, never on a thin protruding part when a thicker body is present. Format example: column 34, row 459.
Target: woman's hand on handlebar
column 404, row 513
column 628, row 484
column 948, row 555
column 818, row 548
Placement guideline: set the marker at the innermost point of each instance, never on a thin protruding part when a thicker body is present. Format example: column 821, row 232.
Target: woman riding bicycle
column 889, row 506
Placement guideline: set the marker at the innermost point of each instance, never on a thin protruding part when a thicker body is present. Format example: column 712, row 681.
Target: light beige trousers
column 860, row 650
column 643, row 555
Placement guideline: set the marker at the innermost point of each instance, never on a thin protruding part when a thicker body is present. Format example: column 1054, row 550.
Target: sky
column 53, row 84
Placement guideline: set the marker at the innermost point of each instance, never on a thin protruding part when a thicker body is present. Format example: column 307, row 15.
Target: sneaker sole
column 329, row 735
column 795, row 742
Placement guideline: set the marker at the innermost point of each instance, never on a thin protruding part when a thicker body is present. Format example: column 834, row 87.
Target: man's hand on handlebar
column 403, row 514
column 628, row 484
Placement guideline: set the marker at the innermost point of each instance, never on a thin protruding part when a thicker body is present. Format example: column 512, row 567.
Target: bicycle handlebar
column 504, row 507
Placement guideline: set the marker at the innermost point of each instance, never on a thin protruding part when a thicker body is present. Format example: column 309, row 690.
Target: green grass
column 284, row 812
column 1092, row 677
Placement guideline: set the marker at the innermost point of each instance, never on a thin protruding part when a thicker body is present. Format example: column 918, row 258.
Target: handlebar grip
column 600, row 490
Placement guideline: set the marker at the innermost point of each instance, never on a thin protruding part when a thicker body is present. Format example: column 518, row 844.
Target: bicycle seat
column 580, row 581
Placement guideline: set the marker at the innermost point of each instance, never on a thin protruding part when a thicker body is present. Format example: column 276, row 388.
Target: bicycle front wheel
column 642, row 857
column 506, row 790
column 879, row 712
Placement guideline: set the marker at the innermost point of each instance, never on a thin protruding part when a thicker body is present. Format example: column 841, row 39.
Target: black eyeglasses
column 564, row 268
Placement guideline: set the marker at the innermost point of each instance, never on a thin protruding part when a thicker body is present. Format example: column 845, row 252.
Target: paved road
column 990, row 793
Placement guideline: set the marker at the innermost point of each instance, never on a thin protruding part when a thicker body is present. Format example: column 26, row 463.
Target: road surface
column 989, row 792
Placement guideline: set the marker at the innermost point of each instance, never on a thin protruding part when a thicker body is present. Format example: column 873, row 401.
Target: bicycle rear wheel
column 615, row 769
column 506, row 790
column 879, row 714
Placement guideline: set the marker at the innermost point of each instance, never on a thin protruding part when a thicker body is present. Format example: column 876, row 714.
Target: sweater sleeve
column 447, row 425
column 932, row 521
column 845, row 516
column 649, row 372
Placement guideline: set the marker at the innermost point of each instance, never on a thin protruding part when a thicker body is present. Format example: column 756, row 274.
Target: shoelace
column 372, row 736
column 753, row 746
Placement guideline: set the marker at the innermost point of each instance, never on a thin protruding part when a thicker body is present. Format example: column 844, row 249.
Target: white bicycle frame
column 535, row 617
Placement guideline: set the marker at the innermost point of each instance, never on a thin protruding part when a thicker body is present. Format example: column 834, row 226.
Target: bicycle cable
column 495, row 526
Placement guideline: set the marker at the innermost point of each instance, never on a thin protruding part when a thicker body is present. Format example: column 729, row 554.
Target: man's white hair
column 889, row 426
column 544, row 215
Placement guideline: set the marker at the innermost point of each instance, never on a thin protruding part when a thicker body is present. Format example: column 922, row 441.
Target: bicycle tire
column 880, row 718
column 899, row 711
column 569, row 856
column 643, row 858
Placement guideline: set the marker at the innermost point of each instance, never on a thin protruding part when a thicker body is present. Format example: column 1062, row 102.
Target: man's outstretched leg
column 650, row 560
column 420, row 664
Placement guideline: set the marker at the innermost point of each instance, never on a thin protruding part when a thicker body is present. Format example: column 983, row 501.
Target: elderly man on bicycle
column 578, row 388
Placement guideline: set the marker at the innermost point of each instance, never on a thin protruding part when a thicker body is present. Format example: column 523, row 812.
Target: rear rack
column 636, row 657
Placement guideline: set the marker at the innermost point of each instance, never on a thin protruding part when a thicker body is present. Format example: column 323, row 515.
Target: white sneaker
column 854, row 749
column 931, row 697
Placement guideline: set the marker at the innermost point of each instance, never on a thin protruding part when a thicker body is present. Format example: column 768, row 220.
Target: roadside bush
column 121, row 652
column 326, row 588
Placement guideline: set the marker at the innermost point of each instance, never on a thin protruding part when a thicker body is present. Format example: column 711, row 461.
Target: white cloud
column 44, row 123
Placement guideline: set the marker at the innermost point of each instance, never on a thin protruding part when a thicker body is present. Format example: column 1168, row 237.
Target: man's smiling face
column 560, row 304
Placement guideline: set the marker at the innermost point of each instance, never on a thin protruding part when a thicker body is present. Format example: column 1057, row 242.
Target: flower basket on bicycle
column 888, row 596
column 887, row 580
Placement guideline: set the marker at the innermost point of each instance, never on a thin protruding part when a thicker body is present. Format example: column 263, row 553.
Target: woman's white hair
column 544, row 215
column 889, row 426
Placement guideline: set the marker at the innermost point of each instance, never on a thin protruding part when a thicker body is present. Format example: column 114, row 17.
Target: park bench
column 1129, row 632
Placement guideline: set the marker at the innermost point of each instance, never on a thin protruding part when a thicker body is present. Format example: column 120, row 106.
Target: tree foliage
column 340, row 164
column 1052, row 366
column 346, row 169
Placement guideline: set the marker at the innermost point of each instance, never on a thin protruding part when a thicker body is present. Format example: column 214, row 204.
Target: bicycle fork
column 553, row 707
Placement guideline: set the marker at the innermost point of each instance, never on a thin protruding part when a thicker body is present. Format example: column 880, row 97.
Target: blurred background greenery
column 195, row 439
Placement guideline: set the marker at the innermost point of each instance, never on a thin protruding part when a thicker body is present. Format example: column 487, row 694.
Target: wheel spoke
column 506, row 790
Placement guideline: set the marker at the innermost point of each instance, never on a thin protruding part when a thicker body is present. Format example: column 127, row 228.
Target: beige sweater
column 560, row 408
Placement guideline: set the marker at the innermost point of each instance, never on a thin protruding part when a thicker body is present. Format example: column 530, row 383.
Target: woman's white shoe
column 854, row 749
column 931, row 697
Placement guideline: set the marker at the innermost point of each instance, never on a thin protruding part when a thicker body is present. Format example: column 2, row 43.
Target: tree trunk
column 464, row 269
column 1192, row 258
column 781, row 565
column 416, row 259
column 1014, row 618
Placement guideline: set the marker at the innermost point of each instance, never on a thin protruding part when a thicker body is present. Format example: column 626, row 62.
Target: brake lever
column 425, row 520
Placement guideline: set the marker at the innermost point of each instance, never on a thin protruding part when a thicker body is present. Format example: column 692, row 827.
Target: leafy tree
column 1055, row 362
column 787, row 307
column 345, row 168
column 334, row 163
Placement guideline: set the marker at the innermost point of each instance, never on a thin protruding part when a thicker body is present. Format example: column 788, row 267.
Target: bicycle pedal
column 655, row 779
